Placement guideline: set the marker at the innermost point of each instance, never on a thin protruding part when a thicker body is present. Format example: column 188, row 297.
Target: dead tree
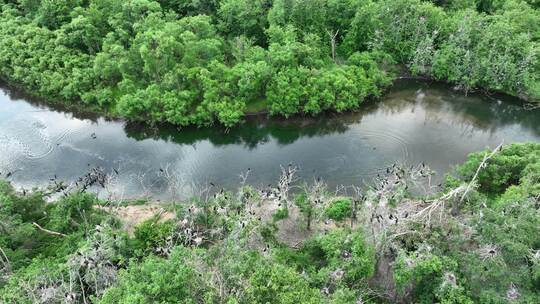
column 280, row 194
column 315, row 201
column 333, row 36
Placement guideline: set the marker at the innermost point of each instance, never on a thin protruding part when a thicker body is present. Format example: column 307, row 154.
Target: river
column 414, row 122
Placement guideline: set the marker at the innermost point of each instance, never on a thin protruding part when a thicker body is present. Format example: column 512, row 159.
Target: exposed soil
column 132, row 216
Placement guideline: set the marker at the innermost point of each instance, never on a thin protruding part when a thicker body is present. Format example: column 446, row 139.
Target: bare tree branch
column 47, row 230
column 480, row 167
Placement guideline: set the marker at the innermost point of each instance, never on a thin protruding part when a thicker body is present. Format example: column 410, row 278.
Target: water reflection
column 415, row 122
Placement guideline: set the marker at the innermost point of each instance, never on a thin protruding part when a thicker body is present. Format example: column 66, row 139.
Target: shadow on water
column 488, row 113
column 75, row 110
column 475, row 110
column 251, row 133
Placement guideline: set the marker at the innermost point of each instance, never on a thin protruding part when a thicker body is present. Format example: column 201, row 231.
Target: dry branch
column 47, row 230
column 480, row 167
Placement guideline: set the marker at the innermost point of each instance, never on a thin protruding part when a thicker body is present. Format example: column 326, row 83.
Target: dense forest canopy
column 189, row 62
column 474, row 240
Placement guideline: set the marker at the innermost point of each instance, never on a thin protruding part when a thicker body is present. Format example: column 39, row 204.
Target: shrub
column 339, row 209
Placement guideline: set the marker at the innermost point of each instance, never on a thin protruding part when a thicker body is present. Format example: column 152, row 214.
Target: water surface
column 415, row 122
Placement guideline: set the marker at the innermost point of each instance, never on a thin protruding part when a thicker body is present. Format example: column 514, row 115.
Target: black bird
column 161, row 170
column 115, row 171
column 9, row 174
column 212, row 184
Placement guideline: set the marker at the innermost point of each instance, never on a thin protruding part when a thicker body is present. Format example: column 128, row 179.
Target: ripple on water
column 29, row 139
column 69, row 135
column 387, row 140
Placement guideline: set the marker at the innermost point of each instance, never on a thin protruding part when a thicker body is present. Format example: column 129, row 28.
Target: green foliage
column 53, row 13
column 181, row 62
column 349, row 252
column 151, row 234
column 512, row 165
column 281, row 284
column 204, row 62
column 159, row 280
column 502, row 251
column 425, row 271
column 22, row 240
column 339, row 209
column 244, row 18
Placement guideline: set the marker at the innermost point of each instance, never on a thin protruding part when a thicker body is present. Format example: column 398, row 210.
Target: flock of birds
column 395, row 177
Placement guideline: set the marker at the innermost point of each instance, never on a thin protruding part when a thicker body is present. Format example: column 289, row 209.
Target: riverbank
column 284, row 65
column 262, row 244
